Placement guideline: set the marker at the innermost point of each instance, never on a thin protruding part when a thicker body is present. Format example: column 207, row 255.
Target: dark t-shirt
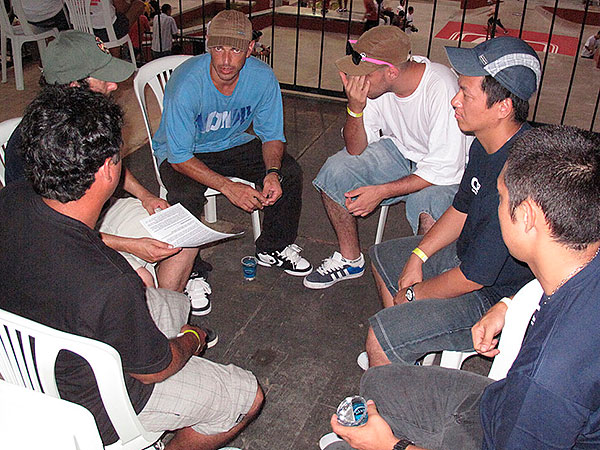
column 57, row 271
column 480, row 248
column 14, row 170
column 550, row 398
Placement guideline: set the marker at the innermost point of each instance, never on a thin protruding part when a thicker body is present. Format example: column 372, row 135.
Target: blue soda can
column 352, row 412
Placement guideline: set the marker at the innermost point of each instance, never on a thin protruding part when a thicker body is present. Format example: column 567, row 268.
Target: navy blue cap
column 510, row 61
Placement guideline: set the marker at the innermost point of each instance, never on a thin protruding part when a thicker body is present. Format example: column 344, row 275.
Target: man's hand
column 484, row 331
column 376, row 434
column 362, row 201
column 151, row 203
column 271, row 189
column 400, row 297
column 150, row 249
column 357, row 89
column 412, row 272
column 244, row 196
column 201, row 333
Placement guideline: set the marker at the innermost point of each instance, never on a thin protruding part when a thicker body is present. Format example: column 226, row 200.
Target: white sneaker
column 328, row 439
column 363, row 361
column 333, row 269
column 288, row 259
column 198, row 291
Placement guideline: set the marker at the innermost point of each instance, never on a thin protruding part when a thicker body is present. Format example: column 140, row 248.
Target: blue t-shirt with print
column 550, row 398
column 480, row 248
column 197, row 118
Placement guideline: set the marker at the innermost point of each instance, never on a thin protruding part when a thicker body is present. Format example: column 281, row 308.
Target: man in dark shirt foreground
column 56, row 270
column 549, row 201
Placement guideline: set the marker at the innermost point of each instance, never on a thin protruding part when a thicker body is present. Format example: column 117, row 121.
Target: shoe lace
column 292, row 252
column 198, row 285
column 330, row 265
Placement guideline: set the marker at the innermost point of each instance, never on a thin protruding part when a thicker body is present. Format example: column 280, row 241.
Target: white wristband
column 506, row 300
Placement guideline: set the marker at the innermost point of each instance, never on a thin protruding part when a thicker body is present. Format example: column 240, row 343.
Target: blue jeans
column 434, row 407
column 381, row 162
column 408, row 331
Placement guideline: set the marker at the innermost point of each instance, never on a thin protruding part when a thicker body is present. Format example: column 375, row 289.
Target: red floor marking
column 562, row 45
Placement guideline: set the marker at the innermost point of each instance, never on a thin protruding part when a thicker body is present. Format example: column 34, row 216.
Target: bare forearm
column 446, row 230
column 117, row 243
column 198, row 171
column 403, row 186
column 182, row 349
column 133, row 186
column 355, row 136
column 449, row 284
column 272, row 154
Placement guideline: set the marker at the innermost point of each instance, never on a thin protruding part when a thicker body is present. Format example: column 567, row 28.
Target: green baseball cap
column 75, row 55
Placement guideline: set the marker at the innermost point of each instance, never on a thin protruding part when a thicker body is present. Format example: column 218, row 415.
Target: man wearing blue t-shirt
column 210, row 102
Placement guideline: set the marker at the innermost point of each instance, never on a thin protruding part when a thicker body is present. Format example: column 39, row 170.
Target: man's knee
column 291, row 172
column 257, row 405
column 377, row 356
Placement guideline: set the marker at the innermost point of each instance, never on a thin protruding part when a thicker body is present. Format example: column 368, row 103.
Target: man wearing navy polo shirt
column 435, row 288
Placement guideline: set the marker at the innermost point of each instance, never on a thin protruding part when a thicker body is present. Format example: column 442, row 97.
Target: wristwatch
column 277, row 171
column 402, row 444
column 410, row 293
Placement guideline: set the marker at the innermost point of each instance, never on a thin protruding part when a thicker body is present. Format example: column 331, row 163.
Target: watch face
column 410, row 294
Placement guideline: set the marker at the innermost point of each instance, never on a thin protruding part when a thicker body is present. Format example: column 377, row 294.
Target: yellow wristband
column 421, row 254
column 353, row 114
column 195, row 334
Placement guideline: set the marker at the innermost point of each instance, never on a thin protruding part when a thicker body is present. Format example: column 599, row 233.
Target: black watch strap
column 402, row 444
column 277, row 171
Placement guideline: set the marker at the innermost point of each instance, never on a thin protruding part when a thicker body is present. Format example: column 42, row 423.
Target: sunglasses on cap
column 358, row 57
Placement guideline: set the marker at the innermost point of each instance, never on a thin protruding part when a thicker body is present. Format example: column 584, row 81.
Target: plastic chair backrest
column 21, row 339
column 517, row 318
column 155, row 74
column 58, row 424
column 6, row 130
column 26, row 27
column 79, row 15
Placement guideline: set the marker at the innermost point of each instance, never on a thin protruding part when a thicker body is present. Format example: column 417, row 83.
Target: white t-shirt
column 97, row 13
column 168, row 28
column 37, row 11
column 591, row 43
column 423, row 125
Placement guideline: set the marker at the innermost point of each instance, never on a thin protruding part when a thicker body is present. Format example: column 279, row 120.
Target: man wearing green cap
column 80, row 60
column 210, row 102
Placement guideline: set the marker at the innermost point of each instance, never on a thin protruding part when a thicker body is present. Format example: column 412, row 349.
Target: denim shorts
column 409, row 331
column 381, row 162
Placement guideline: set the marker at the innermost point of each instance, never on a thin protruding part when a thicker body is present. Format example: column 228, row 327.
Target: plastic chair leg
column 256, row 224
column 4, row 51
column 381, row 225
column 18, row 64
column 454, row 360
column 210, row 209
column 428, row 359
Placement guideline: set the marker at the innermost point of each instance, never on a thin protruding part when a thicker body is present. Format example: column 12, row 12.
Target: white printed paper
column 180, row 228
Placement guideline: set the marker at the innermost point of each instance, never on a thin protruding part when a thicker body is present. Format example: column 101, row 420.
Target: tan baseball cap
column 231, row 28
column 383, row 44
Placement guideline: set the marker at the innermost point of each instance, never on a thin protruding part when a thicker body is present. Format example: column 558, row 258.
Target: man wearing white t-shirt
column 402, row 144
column 589, row 49
column 123, row 13
column 163, row 29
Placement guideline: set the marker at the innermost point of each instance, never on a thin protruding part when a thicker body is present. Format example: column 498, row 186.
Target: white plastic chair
column 156, row 74
column 28, row 352
column 31, row 420
column 381, row 224
column 6, row 130
column 80, row 16
column 18, row 35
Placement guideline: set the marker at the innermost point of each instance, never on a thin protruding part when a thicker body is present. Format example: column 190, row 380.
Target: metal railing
column 305, row 39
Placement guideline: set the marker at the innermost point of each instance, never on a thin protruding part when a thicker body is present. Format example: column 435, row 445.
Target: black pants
column 280, row 221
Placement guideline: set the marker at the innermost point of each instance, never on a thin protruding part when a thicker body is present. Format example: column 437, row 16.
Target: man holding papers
column 56, row 270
